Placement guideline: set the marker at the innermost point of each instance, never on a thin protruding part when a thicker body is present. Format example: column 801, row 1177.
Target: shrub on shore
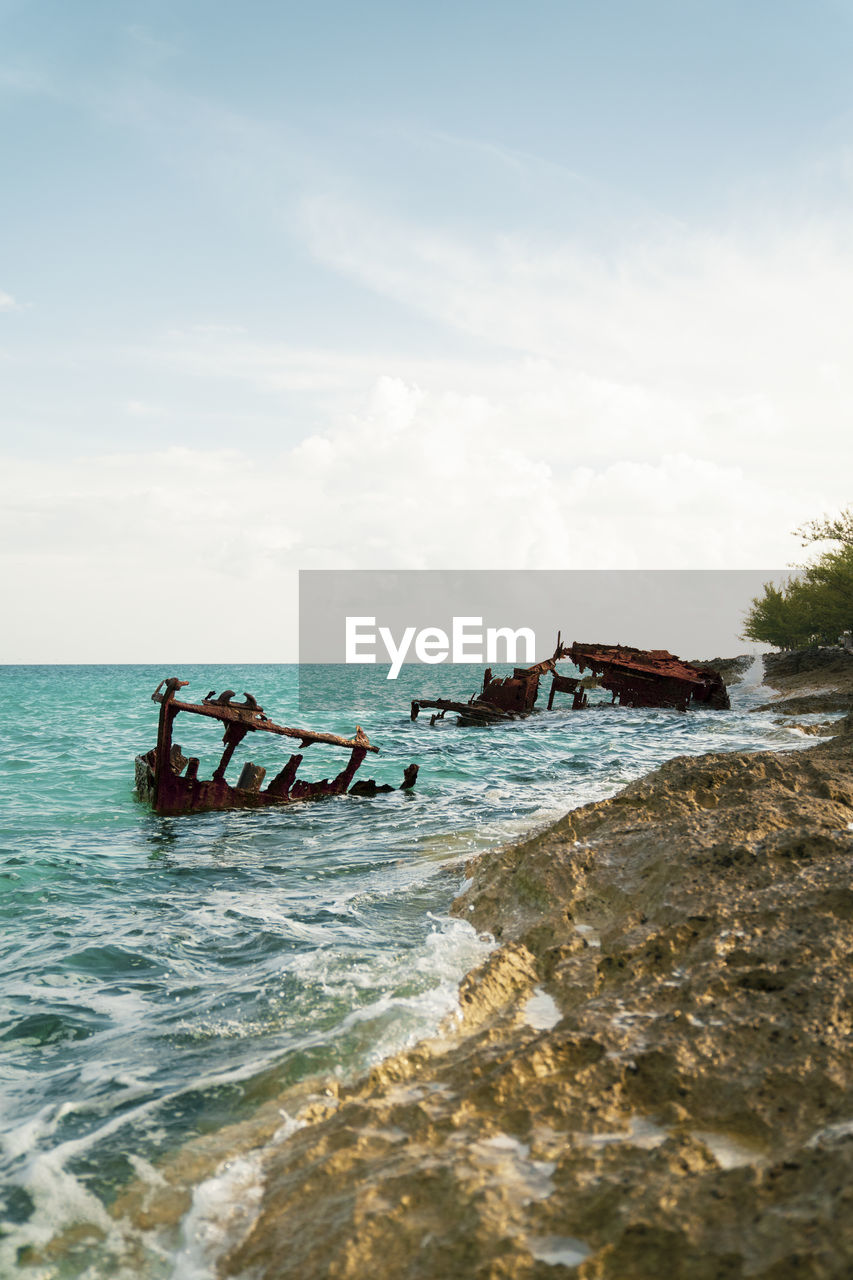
column 815, row 607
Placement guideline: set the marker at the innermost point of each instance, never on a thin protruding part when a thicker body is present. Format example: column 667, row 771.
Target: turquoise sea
column 162, row 976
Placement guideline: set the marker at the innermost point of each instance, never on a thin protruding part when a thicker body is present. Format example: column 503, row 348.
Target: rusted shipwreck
column 168, row 780
column 634, row 677
column 649, row 677
column 501, row 697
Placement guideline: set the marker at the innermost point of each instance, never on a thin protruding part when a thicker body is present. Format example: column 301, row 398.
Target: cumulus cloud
column 138, row 556
column 681, row 403
column 726, row 345
column 741, row 334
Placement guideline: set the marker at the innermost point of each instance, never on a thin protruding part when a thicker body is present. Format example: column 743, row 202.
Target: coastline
column 648, row 1074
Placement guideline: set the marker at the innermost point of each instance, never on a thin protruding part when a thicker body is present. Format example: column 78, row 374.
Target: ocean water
column 164, row 977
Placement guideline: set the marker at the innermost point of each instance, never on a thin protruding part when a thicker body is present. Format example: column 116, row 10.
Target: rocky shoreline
column 810, row 681
column 651, row 1074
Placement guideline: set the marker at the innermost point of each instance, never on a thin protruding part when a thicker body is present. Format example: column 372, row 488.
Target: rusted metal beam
column 470, row 713
column 253, row 719
column 501, row 697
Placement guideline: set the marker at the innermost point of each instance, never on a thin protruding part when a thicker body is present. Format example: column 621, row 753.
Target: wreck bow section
column 650, row 677
column 169, row 781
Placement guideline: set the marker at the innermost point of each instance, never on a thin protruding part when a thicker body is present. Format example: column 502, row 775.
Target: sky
column 393, row 285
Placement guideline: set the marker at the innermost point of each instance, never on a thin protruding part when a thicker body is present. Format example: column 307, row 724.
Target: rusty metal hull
column 176, row 794
column 634, row 677
column 169, row 781
column 650, row 677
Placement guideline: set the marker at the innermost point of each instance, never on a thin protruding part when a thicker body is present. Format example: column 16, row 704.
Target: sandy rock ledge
column 651, row 1075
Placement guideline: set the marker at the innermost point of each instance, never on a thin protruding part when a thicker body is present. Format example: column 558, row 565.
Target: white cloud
column 150, row 556
column 756, row 317
column 7, row 302
column 141, row 409
column 727, row 346
column 680, row 404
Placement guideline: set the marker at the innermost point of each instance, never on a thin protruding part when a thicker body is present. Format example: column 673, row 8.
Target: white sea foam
column 223, row 1211
column 559, row 1251
column 450, row 951
column 832, row 1132
column 507, row 1162
column 541, row 1011
column 729, row 1152
column 59, row 1200
column 641, row 1132
column 751, row 678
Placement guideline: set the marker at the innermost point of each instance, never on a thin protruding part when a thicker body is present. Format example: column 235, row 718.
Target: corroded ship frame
column 634, row 677
column 501, row 697
column 169, row 781
column 650, row 677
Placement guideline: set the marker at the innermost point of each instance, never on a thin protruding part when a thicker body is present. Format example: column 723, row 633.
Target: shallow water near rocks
column 164, row 977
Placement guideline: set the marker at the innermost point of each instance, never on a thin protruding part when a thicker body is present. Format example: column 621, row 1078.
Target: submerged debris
column 169, row 781
column 501, row 698
column 635, row 677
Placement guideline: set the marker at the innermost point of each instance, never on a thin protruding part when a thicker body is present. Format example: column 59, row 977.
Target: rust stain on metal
column 634, row 677
column 169, row 781
column 650, row 677
column 568, row 684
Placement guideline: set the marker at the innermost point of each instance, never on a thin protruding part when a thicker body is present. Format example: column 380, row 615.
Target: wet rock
column 690, row 1111
column 731, row 669
column 809, row 680
column 791, row 662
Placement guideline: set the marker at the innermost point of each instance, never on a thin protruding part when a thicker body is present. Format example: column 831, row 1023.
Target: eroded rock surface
column 809, row 680
column 651, row 1076
column 731, row 669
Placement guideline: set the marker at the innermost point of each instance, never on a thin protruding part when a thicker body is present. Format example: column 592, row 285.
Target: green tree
column 827, row 529
column 815, row 607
